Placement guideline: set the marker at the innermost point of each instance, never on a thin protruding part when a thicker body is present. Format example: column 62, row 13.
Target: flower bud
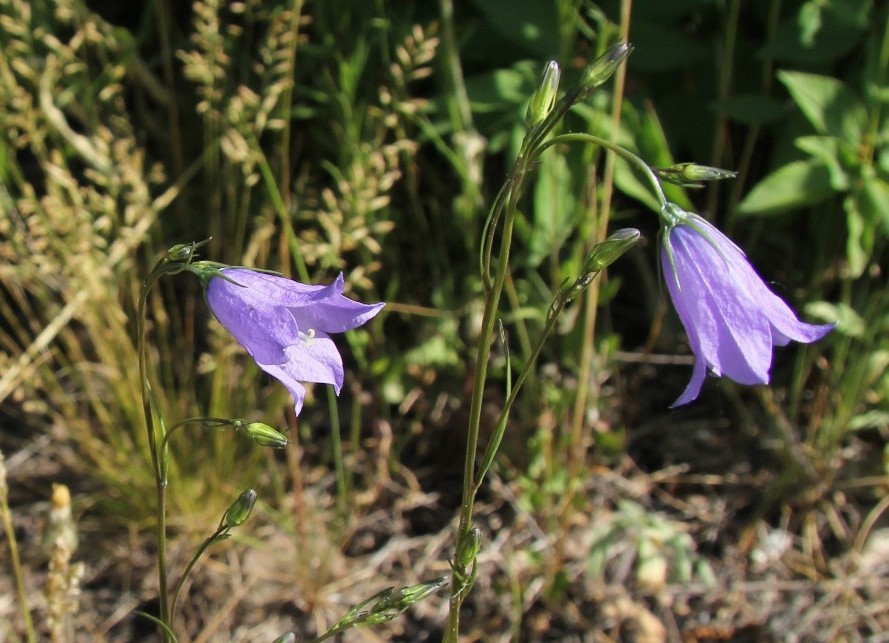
column 690, row 175
column 544, row 97
column 240, row 509
column 185, row 251
column 469, row 547
column 610, row 250
column 601, row 69
column 266, row 436
column 416, row 593
column 392, row 603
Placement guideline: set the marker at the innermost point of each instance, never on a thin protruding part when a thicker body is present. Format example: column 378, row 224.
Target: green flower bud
column 544, row 97
column 240, row 509
column 266, row 436
column 185, row 251
column 690, row 175
column 416, row 593
column 469, row 547
column 392, row 603
column 610, row 250
column 601, row 69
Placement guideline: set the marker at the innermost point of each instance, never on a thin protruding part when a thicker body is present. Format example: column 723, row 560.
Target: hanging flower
column 285, row 325
column 731, row 317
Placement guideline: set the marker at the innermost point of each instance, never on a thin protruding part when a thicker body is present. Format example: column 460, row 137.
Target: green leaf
column 827, row 150
column 820, row 32
column 535, row 26
column 554, row 207
column 751, row 109
column 875, row 201
column 859, row 236
column 827, row 103
column 794, row 185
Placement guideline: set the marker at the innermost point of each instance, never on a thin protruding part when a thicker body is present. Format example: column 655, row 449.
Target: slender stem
column 342, row 490
column 17, row 572
column 489, row 319
column 156, row 457
column 555, row 311
column 620, row 151
column 209, row 423
column 221, row 529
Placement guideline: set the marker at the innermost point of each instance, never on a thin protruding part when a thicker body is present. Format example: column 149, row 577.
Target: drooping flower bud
column 266, row 436
column 240, row 509
column 544, row 97
column 610, row 250
column 601, row 69
column 690, row 175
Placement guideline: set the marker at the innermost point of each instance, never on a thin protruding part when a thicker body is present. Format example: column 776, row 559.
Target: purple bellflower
column 286, row 325
column 732, row 318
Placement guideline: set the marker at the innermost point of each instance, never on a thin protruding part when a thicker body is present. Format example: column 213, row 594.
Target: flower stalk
column 544, row 118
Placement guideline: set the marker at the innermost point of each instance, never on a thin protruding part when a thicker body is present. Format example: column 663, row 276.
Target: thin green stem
column 166, row 265
column 556, row 308
column 208, row 423
column 221, row 529
column 156, row 457
column 489, row 319
column 342, row 489
column 635, row 160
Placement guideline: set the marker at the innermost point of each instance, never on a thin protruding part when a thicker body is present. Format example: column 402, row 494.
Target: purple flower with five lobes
column 732, row 318
column 286, row 325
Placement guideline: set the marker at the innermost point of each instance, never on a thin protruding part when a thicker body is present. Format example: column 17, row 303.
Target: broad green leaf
column 820, row 32
column 554, row 207
column 827, row 103
column 794, row 185
column 534, row 27
column 859, row 235
column 751, row 109
column 827, row 150
column 875, row 201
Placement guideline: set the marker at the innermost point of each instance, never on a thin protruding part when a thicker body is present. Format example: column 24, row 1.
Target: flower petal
column 335, row 313
column 732, row 318
column 742, row 346
column 297, row 390
column 693, row 389
column 258, row 325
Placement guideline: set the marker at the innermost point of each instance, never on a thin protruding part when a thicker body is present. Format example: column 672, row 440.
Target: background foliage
column 369, row 137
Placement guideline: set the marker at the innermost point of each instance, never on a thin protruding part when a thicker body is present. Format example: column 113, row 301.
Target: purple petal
column 297, row 390
column 691, row 392
column 256, row 322
column 335, row 313
column 737, row 342
column 276, row 289
column 731, row 317
column 283, row 324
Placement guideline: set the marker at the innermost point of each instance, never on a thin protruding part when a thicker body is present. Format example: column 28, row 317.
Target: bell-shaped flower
column 286, row 325
column 732, row 318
